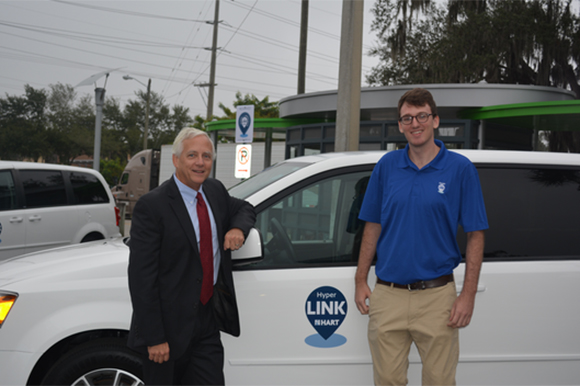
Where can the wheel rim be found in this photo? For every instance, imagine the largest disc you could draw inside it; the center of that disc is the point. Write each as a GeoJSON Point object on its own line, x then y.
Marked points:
{"type": "Point", "coordinates": [108, 377]}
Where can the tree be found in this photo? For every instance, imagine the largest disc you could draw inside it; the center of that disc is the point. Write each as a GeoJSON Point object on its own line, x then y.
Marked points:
{"type": "Point", "coordinates": [111, 169]}
{"type": "Point", "coordinates": [499, 41]}
{"type": "Point", "coordinates": [262, 108]}
{"type": "Point", "coordinates": [413, 63]}
{"type": "Point", "coordinates": [394, 21]}
{"type": "Point", "coordinates": [164, 121]}
{"type": "Point", "coordinates": [58, 125]}
{"type": "Point", "coordinates": [23, 125]}
{"type": "Point", "coordinates": [71, 122]}
{"type": "Point", "coordinates": [534, 42]}
{"type": "Point", "coordinates": [198, 122]}
{"type": "Point", "coordinates": [113, 132]}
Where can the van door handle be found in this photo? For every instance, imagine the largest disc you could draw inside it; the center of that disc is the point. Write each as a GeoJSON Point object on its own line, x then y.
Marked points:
{"type": "Point", "coordinates": [16, 219]}
{"type": "Point", "coordinates": [35, 217]}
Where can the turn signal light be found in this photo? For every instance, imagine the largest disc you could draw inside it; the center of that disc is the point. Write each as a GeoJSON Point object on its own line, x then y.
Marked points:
{"type": "Point", "coordinates": [6, 303]}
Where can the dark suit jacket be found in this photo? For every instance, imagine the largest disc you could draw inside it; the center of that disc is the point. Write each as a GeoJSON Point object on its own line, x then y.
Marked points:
{"type": "Point", "coordinates": [165, 271]}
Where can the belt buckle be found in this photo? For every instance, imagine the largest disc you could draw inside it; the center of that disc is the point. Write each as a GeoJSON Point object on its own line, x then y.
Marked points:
{"type": "Point", "coordinates": [417, 286]}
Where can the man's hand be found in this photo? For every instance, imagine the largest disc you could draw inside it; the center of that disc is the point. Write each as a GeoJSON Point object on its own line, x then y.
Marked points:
{"type": "Point", "coordinates": [462, 311]}
{"type": "Point", "coordinates": [361, 293]}
{"type": "Point", "coordinates": [159, 353]}
{"type": "Point", "coordinates": [368, 248]}
{"type": "Point", "coordinates": [234, 239]}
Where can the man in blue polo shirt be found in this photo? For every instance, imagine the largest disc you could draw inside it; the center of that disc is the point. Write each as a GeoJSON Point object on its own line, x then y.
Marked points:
{"type": "Point", "coordinates": [415, 200]}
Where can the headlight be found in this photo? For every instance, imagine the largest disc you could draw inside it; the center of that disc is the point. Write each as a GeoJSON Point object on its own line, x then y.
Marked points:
{"type": "Point", "coordinates": [6, 303]}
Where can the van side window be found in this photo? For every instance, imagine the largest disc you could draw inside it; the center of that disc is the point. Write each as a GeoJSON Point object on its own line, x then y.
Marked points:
{"type": "Point", "coordinates": [43, 188]}
{"type": "Point", "coordinates": [316, 225]}
{"type": "Point", "coordinates": [7, 191]}
{"type": "Point", "coordinates": [532, 212]}
{"type": "Point", "coordinates": [87, 189]}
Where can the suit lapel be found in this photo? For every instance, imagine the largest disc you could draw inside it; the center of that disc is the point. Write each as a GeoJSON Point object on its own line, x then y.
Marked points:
{"type": "Point", "coordinates": [180, 210]}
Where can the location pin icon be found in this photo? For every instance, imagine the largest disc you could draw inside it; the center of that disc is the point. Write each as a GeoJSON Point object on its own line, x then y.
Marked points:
{"type": "Point", "coordinates": [326, 308]}
{"type": "Point", "coordinates": [244, 123]}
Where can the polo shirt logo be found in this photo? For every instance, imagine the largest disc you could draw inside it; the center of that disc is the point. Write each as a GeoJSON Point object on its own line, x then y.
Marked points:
{"type": "Point", "coordinates": [441, 188]}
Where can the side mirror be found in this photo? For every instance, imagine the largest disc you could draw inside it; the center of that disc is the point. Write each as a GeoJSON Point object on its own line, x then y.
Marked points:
{"type": "Point", "coordinates": [252, 251]}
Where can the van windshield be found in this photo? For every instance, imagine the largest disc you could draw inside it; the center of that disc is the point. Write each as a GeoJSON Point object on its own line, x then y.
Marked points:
{"type": "Point", "coordinates": [258, 181]}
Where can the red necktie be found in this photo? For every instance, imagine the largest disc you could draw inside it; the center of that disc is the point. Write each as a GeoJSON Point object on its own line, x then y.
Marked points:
{"type": "Point", "coordinates": [205, 250]}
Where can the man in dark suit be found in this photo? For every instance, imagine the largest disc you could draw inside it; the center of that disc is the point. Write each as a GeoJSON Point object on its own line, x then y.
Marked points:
{"type": "Point", "coordinates": [180, 269]}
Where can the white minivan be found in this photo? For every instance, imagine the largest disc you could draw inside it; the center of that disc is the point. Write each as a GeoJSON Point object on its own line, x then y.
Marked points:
{"type": "Point", "coordinates": [45, 206]}
{"type": "Point", "coordinates": [65, 313]}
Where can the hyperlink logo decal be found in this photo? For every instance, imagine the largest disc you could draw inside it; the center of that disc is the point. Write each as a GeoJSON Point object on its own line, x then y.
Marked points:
{"type": "Point", "coordinates": [326, 308]}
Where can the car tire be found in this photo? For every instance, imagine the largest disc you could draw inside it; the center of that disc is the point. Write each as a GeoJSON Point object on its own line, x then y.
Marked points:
{"type": "Point", "coordinates": [101, 362]}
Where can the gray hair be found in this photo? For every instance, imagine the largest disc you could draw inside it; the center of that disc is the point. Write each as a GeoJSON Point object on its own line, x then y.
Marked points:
{"type": "Point", "coordinates": [187, 133]}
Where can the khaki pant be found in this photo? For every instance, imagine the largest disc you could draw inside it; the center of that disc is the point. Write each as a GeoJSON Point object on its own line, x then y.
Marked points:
{"type": "Point", "coordinates": [399, 317]}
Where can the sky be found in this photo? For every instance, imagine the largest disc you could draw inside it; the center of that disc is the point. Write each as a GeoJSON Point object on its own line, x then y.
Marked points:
{"type": "Point", "coordinates": [68, 41]}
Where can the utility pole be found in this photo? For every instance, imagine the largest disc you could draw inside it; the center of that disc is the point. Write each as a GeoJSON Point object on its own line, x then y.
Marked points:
{"type": "Point", "coordinates": [212, 80]}
{"type": "Point", "coordinates": [146, 134]}
{"type": "Point", "coordinates": [303, 48]}
{"type": "Point", "coordinates": [349, 77]}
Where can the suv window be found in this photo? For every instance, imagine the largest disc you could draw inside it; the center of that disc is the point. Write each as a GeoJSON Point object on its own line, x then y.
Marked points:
{"type": "Point", "coordinates": [532, 212]}
{"type": "Point", "coordinates": [43, 188]}
{"type": "Point", "coordinates": [314, 225]}
{"type": "Point", "coordinates": [7, 191]}
{"type": "Point", "coordinates": [87, 189]}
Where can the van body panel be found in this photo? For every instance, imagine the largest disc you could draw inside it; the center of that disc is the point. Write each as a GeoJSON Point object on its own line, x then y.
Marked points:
{"type": "Point", "coordinates": [524, 329]}
{"type": "Point", "coordinates": [52, 206]}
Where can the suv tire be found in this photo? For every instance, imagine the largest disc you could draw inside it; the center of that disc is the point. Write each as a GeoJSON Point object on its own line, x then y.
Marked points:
{"type": "Point", "coordinates": [104, 362]}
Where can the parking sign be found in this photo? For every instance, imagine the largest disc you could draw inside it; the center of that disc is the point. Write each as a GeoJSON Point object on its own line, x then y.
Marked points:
{"type": "Point", "coordinates": [243, 161]}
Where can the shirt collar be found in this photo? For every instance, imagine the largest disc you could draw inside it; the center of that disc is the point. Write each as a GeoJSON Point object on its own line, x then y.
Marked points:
{"type": "Point", "coordinates": [436, 163]}
{"type": "Point", "coordinates": [188, 194]}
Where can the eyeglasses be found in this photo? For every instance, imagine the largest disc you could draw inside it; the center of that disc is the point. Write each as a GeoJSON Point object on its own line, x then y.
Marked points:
{"type": "Point", "coordinates": [421, 118]}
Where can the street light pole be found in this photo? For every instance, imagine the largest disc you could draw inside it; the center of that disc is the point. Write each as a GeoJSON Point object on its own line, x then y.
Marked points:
{"type": "Point", "coordinates": [146, 128]}
{"type": "Point", "coordinates": [99, 102]}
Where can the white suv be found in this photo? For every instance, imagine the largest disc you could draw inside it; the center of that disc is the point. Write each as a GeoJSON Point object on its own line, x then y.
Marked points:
{"type": "Point", "coordinates": [65, 314]}
{"type": "Point", "coordinates": [44, 206]}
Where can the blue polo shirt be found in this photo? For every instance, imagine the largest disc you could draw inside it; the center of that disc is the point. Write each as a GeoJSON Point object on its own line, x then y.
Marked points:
{"type": "Point", "coordinates": [419, 211]}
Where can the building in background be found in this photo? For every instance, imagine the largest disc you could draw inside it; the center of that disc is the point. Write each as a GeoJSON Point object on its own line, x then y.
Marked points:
{"type": "Point", "coordinates": [473, 116]}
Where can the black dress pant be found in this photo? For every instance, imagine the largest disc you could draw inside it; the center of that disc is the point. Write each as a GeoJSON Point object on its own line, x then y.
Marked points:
{"type": "Point", "coordinates": [201, 364]}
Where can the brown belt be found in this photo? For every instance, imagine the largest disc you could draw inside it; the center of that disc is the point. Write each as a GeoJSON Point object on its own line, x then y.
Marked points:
{"type": "Point", "coordinates": [420, 285]}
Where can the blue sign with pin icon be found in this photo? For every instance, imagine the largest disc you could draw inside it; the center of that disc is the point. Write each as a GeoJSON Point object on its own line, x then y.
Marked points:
{"type": "Point", "coordinates": [326, 307]}
{"type": "Point", "coordinates": [244, 121]}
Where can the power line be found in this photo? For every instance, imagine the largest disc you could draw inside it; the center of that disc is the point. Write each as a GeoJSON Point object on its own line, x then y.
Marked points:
{"type": "Point", "coordinates": [182, 56]}
{"type": "Point", "coordinates": [85, 23]}
{"type": "Point", "coordinates": [130, 13]}
{"type": "Point", "coordinates": [81, 36]}
{"type": "Point", "coordinates": [188, 66]}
